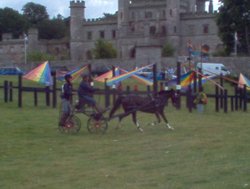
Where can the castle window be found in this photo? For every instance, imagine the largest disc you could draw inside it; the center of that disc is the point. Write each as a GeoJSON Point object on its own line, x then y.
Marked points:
{"type": "Point", "coordinates": [175, 29]}
{"type": "Point", "coordinates": [152, 30]}
{"type": "Point", "coordinates": [102, 34]}
{"type": "Point", "coordinates": [132, 15]}
{"type": "Point", "coordinates": [89, 35]}
{"type": "Point", "coordinates": [113, 34]}
{"type": "Point", "coordinates": [163, 30]}
{"type": "Point", "coordinates": [205, 29]}
{"type": "Point", "coordinates": [171, 12]}
{"type": "Point", "coordinates": [148, 14]}
{"type": "Point", "coordinates": [132, 26]}
{"type": "Point", "coordinates": [132, 52]}
{"type": "Point", "coordinates": [163, 14]}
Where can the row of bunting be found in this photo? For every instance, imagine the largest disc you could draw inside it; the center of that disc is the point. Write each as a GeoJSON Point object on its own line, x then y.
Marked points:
{"type": "Point", "coordinates": [42, 74]}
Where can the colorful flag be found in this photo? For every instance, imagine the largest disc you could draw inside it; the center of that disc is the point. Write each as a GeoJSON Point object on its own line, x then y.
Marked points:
{"type": "Point", "coordinates": [123, 76]}
{"type": "Point", "coordinates": [188, 79]}
{"type": "Point", "coordinates": [243, 81]}
{"type": "Point", "coordinates": [76, 73]}
{"type": "Point", "coordinates": [41, 74]}
{"type": "Point", "coordinates": [140, 78]}
{"type": "Point", "coordinates": [107, 75]}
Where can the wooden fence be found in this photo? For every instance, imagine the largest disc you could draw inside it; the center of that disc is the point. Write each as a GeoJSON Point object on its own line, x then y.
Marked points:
{"type": "Point", "coordinates": [238, 101]}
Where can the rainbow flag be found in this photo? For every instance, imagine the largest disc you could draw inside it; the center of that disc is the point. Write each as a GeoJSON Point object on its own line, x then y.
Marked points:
{"type": "Point", "coordinates": [139, 78]}
{"type": "Point", "coordinates": [41, 74]}
{"type": "Point", "coordinates": [244, 81]}
{"type": "Point", "coordinates": [76, 73]}
{"type": "Point", "coordinates": [188, 79]}
{"type": "Point", "coordinates": [123, 76]}
{"type": "Point", "coordinates": [107, 75]}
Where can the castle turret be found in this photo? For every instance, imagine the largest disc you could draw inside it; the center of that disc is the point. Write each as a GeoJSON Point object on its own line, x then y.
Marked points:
{"type": "Point", "coordinates": [77, 9]}
{"type": "Point", "coordinates": [201, 5]}
{"type": "Point", "coordinates": [173, 22]}
{"type": "Point", "coordinates": [192, 5]}
{"type": "Point", "coordinates": [76, 17]}
{"type": "Point", "coordinates": [123, 14]}
{"type": "Point", "coordinates": [211, 6]}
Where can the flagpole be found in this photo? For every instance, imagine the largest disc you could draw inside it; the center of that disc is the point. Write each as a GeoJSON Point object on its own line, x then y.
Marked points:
{"type": "Point", "coordinates": [25, 48]}
{"type": "Point", "coordinates": [235, 43]}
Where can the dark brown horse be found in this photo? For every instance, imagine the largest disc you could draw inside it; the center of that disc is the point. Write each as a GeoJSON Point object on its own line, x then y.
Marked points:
{"type": "Point", "coordinates": [133, 103]}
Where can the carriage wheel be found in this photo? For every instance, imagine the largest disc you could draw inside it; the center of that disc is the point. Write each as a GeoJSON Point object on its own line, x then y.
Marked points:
{"type": "Point", "coordinates": [72, 125]}
{"type": "Point", "coordinates": [97, 125]}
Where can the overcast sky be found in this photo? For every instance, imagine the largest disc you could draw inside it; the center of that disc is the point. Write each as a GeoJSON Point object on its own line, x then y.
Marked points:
{"type": "Point", "coordinates": [94, 8]}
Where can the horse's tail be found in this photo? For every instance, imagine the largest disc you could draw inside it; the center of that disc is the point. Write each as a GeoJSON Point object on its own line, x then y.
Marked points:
{"type": "Point", "coordinates": [117, 104]}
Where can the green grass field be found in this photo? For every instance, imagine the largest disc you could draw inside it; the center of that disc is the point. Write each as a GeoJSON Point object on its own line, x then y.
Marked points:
{"type": "Point", "coordinates": [205, 151]}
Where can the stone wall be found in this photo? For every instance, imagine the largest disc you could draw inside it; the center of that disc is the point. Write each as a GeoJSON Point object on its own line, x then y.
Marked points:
{"type": "Point", "coordinates": [234, 64]}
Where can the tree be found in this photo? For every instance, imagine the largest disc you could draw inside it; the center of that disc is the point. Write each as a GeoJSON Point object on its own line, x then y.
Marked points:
{"type": "Point", "coordinates": [234, 18]}
{"type": "Point", "coordinates": [168, 50]}
{"type": "Point", "coordinates": [12, 22]}
{"type": "Point", "coordinates": [104, 49]}
{"type": "Point", "coordinates": [35, 13]}
{"type": "Point", "coordinates": [52, 29]}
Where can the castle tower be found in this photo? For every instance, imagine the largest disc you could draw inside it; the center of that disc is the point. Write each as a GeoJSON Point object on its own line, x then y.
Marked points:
{"type": "Point", "coordinates": [211, 6]}
{"type": "Point", "coordinates": [201, 5]}
{"type": "Point", "coordinates": [192, 5]}
{"type": "Point", "coordinates": [77, 9]}
{"type": "Point", "coordinates": [173, 22]}
{"type": "Point", "coordinates": [123, 16]}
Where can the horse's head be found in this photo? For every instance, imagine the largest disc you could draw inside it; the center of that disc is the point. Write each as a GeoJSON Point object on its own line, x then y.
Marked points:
{"type": "Point", "coordinates": [169, 94]}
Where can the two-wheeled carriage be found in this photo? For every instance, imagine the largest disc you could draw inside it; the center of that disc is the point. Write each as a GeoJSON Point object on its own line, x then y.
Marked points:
{"type": "Point", "coordinates": [96, 122]}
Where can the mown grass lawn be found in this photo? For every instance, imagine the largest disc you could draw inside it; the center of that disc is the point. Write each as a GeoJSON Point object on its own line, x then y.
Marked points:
{"type": "Point", "coordinates": [205, 151]}
{"type": "Point", "coordinates": [209, 150]}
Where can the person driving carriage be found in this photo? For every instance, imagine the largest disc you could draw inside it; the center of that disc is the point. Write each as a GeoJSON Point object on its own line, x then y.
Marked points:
{"type": "Point", "coordinates": [66, 95]}
{"type": "Point", "coordinates": [85, 94]}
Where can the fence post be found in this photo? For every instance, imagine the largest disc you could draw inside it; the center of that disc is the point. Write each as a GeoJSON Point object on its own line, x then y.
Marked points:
{"type": "Point", "coordinates": [107, 94]}
{"type": "Point", "coordinates": [6, 91]}
{"type": "Point", "coordinates": [225, 101]}
{"type": "Point", "coordinates": [189, 98]}
{"type": "Point", "coordinates": [35, 97]}
{"type": "Point", "coordinates": [47, 95]}
{"type": "Point", "coordinates": [20, 86]}
{"type": "Point", "coordinates": [155, 84]}
{"type": "Point", "coordinates": [200, 80]}
{"type": "Point", "coordinates": [236, 99]}
{"type": "Point", "coordinates": [195, 82]}
{"type": "Point", "coordinates": [245, 98]}
{"type": "Point", "coordinates": [232, 103]}
{"type": "Point", "coordinates": [178, 87]}
{"type": "Point", "coordinates": [217, 98]}
{"type": "Point", "coordinates": [54, 93]}
{"type": "Point", "coordinates": [241, 98]}
{"type": "Point", "coordinates": [10, 91]}
{"type": "Point", "coordinates": [221, 91]}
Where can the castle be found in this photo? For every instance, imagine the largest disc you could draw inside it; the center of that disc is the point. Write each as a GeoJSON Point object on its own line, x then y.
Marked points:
{"type": "Point", "coordinates": [138, 31]}
{"type": "Point", "coordinates": [140, 28]}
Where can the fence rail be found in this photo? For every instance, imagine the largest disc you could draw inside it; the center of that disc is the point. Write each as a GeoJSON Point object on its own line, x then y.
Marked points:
{"type": "Point", "coordinates": [236, 102]}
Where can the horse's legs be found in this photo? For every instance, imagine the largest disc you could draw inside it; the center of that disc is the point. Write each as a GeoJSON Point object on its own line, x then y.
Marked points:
{"type": "Point", "coordinates": [125, 114]}
{"type": "Point", "coordinates": [135, 122]}
{"type": "Point", "coordinates": [165, 119]}
{"type": "Point", "coordinates": [157, 121]}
